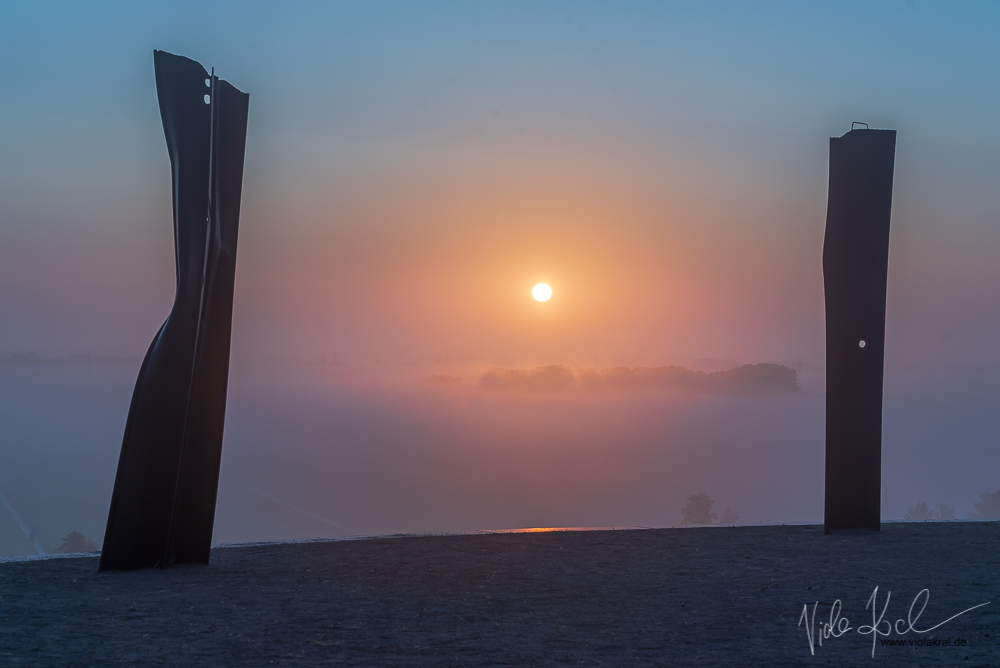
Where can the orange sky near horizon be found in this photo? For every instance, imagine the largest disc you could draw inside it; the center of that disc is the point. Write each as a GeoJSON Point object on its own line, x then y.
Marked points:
{"type": "Point", "coordinates": [645, 268]}
{"type": "Point", "coordinates": [663, 167]}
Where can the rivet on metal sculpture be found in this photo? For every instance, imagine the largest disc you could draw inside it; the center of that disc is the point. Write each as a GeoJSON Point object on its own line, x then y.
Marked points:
{"type": "Point", "coordinates": [855, 265]}
{"type": "Point", "coordinates": [163, 506]}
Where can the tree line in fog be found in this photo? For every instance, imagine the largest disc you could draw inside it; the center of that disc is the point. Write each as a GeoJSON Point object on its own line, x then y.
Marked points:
{"type": "Point", "coordinates": [745, 379]}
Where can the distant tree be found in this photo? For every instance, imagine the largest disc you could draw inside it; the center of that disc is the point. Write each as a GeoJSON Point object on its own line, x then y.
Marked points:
{"type": "Point", "coordinates": [729, 516]}
{"type": "Point", "coordinates": [919, 512]}
{"type": "Point", "coordinates": [946, 512]}
{"type": "Point", "coordinates": [698, 510]}
{"type": "Point", "coordinates": [76, 542]}
{"type": "Point", "coordinates": [988, 507]}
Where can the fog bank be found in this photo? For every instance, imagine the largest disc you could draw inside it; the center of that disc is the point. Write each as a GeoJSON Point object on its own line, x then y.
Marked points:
{"type": "Point", "coordinates": [335, 450]}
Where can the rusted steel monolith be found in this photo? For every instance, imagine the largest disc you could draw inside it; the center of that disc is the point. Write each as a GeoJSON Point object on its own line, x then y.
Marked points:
{"type": "Point", "coordinates": [855, 265]}
{"type": "Point", "coordinates": [163, 505]}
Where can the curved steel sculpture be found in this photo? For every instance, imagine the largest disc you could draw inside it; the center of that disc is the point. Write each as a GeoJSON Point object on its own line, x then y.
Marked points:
{"type": "Point", "coordinates": [855, 266]}
{"type": "Point", "coordinates": [163, 506]}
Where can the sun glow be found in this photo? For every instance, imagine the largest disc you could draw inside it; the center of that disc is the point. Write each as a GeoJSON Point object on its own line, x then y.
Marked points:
{"type": "Point", "coordinates": [541, 292]}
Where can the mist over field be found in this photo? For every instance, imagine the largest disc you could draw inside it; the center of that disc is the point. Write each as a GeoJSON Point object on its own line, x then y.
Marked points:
{"type": "Point", "coordinates": [332, 449]}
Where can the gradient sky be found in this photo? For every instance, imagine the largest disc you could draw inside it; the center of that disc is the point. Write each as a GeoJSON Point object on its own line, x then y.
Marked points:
{"type": "Point", "coordinates": [414, 168]}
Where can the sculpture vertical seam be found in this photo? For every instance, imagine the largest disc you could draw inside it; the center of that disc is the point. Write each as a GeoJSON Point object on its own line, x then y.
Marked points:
{"type": "Point", "coordinates": [201, 308]}
{"type": "Point", "coordinates": [855, 271]}
{"type": "Point", "coordinates": [163, 505]}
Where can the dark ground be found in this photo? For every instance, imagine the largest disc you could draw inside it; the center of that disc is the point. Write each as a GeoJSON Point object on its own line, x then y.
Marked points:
{"type": "Point", "coordinates": [671, 597]}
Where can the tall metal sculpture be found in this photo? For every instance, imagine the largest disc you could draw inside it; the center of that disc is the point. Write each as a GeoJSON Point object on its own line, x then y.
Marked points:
{"type": "Point", "coordinates": [855, 265]}
{"type": "Point", "coordinates": [163, 506]}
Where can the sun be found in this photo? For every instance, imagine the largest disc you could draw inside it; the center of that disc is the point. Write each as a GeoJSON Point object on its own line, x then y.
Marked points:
{"type": "Point", "coordinates": [541, 292]}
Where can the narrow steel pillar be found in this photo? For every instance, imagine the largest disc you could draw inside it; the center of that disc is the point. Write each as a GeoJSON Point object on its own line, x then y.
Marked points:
{"type": "Point", "coordinates": [163, 506]}
{"type": "Point", "coordinates": [855, 265]}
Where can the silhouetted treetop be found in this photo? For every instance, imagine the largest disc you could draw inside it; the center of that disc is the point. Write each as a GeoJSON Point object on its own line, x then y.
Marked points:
{"type": "Point", "coordinates": [918, 512]}
{"type": "Point", "coordinates": [698, 510]}
{"type": "Point", "coordinates": [76, 542]}
{"type": "Point", "coordinates": [988, 507]}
